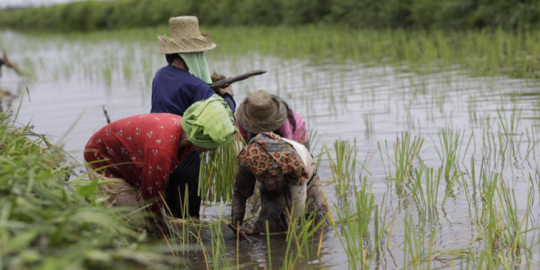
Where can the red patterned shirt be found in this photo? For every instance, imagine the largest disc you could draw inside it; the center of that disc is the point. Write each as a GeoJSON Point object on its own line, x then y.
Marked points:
{"type": "Point", "coordinates": [141, 149]}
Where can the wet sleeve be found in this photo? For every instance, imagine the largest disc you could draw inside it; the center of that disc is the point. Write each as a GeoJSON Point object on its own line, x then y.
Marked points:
{"type": "Point", "coordinates": [244, 187]}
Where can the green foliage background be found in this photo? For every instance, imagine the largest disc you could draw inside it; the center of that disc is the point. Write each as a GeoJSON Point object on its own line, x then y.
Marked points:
{"type": "Point", "coordinates": [418, 14]}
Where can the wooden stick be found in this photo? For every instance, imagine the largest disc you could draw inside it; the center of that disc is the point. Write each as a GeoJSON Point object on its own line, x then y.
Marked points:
{"type": "Point", "coordinates": [226, 82]}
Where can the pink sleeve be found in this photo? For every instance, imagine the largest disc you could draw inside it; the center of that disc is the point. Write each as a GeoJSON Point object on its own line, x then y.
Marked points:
{"type": "Point", "coordinates": [243, 132]}
{"type": "Point", "coordinates": [300, 133]}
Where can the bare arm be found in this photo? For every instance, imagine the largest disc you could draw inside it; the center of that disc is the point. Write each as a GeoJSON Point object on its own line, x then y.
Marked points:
{"type": "Point", "coordinates": [242, 190]}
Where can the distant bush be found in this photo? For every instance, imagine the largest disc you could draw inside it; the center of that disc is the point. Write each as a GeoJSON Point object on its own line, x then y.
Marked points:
{"type": "Point", "coordinates": [418, 14]}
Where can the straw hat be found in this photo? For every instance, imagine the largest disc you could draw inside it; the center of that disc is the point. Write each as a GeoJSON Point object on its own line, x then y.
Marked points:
{"type": "Point", "coordinates": [261, 112]}
{"type": "Point", "coordinates": [185, 37]}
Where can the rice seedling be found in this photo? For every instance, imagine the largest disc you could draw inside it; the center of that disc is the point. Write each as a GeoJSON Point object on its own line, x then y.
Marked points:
{"type": "Point", "coordinates": [268, 245]}
{"type": "Point", "coordinates": [343, 166]}
{"type": "Point", "coordinates": [219, 256]}
{"type": "Point", "coordinates": [406, 151]}
{"type": "Point", "coordinates": [417, 191]}
{"type": "Point", "coordinates": [361, 249]}
{"type": "Point", "coordinates": [304, 240]}
{"type": "Point", "coordinates": [433, 180]}
{"type": "Point", "coordinates": [182, 233]}
{"type": "Point", "coordinates": [450, 150]}
{"type": "Point", "coordinates": [509, 128]}
{"type": "Point", "coordinates": [218, 172]}
{"type": "Point", "coordinates": [415, 255]}
{"type": "Point", "coordinates": [313, 139]}
{"type": "Point", "coordinates": [368, 123]}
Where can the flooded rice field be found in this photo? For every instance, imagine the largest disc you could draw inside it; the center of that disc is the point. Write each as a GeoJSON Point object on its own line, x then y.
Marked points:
{"type": "Point", "coordinates": [422, 170]}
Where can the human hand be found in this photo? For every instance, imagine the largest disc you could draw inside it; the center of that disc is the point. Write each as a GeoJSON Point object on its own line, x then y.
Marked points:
{"type": "Point", "coordinates": [226, 90]}
{"type": "Point", "coordinates": [243, 232]}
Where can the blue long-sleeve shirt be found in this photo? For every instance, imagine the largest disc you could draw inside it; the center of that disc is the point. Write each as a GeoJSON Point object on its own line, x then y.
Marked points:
{"type": "Point", "coordinates": [175, 89]}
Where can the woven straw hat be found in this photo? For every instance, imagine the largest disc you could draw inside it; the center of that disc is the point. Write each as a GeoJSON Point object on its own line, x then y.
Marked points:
{"type": "Point", "coordinates": [185, 37]}
{"type": "Point", "coordinates": [261, 112]}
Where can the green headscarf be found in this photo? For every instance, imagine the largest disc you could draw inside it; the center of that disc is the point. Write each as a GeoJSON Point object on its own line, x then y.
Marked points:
{"type": "Point", "coordinates": [209, 123]}
{"type": "Point", "coordinates": [196, 63]}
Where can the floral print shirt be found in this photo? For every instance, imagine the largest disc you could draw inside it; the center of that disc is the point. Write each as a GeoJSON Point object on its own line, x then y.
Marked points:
{"type": "Point", "coordinates": [141, 149]}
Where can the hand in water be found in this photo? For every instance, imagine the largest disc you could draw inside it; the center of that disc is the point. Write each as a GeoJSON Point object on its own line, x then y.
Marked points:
{"type": "Point", "coordinates": [244, 233]}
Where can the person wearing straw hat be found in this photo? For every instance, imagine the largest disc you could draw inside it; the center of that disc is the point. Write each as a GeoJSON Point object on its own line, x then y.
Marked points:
{"type": "Point", "coordinates": [175, 87]}
{"type": "Point", "coordinates": [264, 112]}
{"type": "Point", "coordinates": [141, 152]}
{"type": "Point", "coordinates": [185, 79]}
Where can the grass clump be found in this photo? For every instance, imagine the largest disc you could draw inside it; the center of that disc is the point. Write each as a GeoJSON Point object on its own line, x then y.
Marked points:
{"type": "Point", "coordinates": [362, 247]}
{"type": "Point", "coordinates": [343, 165]}
{"type": "Point", "coordinates": [47, 222]}
{"type": "Point", "coordinates": [405, 152]}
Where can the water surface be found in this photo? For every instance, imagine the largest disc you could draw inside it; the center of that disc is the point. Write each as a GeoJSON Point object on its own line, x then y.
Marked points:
{"type": "Point", "coordinates": [76, 78]}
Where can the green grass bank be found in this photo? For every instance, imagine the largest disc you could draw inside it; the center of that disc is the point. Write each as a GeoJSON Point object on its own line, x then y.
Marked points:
{"type": "Point", "coordinates": [47, 222]}
{"type": "Point", "coordinates": [417, 14]}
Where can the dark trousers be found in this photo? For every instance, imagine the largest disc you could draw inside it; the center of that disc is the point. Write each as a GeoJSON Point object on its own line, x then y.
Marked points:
{"type": "Point", "coordinates": [186, 176]}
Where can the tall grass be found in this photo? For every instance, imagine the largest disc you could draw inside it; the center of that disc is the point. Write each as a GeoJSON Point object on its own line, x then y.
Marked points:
{"type": "Point", "coordinates": [50, 223]}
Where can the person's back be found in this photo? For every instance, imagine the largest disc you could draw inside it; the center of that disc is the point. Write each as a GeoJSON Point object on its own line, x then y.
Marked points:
{"type": "Point", "coordinates": [175, 89]}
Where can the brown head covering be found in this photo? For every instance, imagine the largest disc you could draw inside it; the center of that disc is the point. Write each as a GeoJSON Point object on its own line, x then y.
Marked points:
{"type": "Point", "coordinates": [267, 153]}
{"type": "Point", "coordinates": [261, 112]}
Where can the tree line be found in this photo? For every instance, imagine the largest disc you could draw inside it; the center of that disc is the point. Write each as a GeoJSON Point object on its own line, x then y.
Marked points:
{"type": "Point", "coordinates": [417, 14]}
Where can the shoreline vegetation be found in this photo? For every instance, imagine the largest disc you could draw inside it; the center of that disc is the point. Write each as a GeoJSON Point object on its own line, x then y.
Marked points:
{"type": "Point", "coordinates": [48, 222]}
{"type": "Point", "coordinates": [412, 14]}
{"type": "Point", "coordinates": [486, 52]}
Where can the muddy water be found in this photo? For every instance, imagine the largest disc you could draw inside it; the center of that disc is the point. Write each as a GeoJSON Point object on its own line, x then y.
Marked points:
{"type": "Point", "coordinates": [75, 79]}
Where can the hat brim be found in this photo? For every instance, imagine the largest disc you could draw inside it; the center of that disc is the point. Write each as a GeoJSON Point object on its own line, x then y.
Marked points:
{"type": "Point", "coordinates": [169, 45]}
{"type": "Point", "coordinates": [255, 128]}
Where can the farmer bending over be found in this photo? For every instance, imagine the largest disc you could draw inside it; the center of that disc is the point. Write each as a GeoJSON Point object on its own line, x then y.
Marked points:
{"type": "Point", "coordinates": [142, 151]}
{"type": "Point", "coordinates": [288, 181]}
